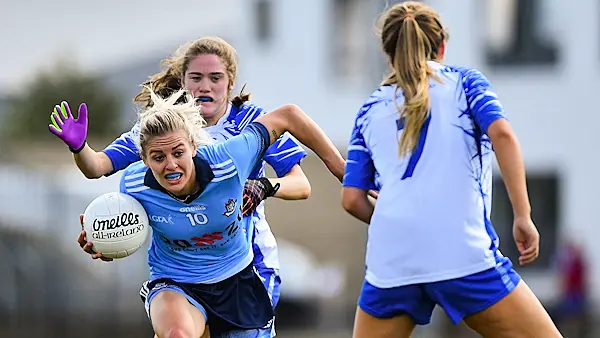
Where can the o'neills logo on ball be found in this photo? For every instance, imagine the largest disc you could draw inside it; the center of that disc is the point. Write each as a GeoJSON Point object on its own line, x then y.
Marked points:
{"type": "Point", "coordinates": [124, 220]}
{"type": "Point", "coordinates": [126, 224]}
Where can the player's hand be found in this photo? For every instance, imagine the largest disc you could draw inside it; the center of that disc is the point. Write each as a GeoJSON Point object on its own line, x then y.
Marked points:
{"type": "Point", "coordinates": [527, 239]}
{"type": "Point", "coordinates": [73, 132]}
{"type": "Point", "coordinates": [87, 246]}
{"type": "Point", "coordinates": [256, 191]}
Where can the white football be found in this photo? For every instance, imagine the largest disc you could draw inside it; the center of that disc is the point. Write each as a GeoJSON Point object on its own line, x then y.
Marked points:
{"type": "Point", "coordinates": [116, 224]}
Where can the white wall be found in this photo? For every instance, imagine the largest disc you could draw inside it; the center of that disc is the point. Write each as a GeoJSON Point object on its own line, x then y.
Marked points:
{"type": "Point", "coordinates": [99, 34]}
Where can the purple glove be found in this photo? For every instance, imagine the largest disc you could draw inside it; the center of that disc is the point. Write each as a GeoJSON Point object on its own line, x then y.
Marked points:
{"type": "Point", "coordinates": [71, 131]}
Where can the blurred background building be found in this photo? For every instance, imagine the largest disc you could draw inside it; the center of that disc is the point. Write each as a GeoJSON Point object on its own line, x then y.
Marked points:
{"type": "Point", "coordinates": [542, 56]}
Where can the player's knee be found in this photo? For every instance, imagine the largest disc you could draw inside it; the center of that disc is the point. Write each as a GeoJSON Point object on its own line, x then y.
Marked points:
{"type": "Point", "coordinates": [177, 329]}
{"type": "Point", "coordinates": [177, 332]}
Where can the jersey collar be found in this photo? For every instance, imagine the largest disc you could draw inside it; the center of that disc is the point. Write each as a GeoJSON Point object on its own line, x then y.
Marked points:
{"type": "Point", "coordinates": [204, 175]}
{"type": "Point", "coordinates": [225, 116]}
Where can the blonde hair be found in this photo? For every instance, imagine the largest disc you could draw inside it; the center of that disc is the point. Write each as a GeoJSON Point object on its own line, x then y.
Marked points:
{"type": "Point", "coordinates": [411, 35]}
{"type": "Point", "coordinates": [170, 78]}
{"type": "Point", "coordinates": [166, 115]}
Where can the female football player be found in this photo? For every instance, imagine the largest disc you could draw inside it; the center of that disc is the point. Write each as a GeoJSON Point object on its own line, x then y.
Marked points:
{"type": "Point", "coordinates": [430, 237]}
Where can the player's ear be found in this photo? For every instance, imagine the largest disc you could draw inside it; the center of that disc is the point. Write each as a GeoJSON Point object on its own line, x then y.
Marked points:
{"type": "Point", "coordinates": [441, 51]}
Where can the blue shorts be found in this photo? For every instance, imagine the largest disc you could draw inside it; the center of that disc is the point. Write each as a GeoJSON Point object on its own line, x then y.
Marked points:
{"type": "Point", "coordinates": [235, 307]}
{"type": "Point", "coordinates": [459, 297]}
{"type": "Point", "coordinates": [271, 281]}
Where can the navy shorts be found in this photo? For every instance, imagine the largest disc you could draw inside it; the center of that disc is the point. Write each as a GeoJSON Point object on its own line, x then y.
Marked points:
{"type": "Point", "coordinates": [458, 297]}
{"type": "Point", "coordinates": [237, 305]}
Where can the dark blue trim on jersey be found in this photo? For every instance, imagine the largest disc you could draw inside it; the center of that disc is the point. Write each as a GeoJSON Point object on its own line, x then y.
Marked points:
{"type": "Point", "coordinates": [262, 132]}
{"type": "Point", "coordinates": [204, 175]}
{"type": "Point", "coordinates": [418, 151]}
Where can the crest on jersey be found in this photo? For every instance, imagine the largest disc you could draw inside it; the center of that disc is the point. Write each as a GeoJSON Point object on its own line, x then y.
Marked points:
{"type": "Point", "coordinates": [230, 207]}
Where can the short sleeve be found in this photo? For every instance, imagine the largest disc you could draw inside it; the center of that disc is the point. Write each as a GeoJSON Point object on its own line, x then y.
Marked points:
{"type": "Point", "coordinates": [284, 154]}
{"type": "Point", "coordinates": [248, 148]}
{"type": "Point", "coordinates": [482, 100]}
{"type": "Point", "coordinates": [122, 151]}
{"type": "Point", "coordinates": [360, 170]}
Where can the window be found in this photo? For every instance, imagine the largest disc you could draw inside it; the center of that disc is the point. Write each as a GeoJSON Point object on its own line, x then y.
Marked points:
{"type": "Point", "coordinates": [515, 34]}
{"type": "Point", "coordinates": [263, 12]}
{"type": "Point", "coordinates": [352, 39]}
{"type": "Point", "coordinates": [545, 205]}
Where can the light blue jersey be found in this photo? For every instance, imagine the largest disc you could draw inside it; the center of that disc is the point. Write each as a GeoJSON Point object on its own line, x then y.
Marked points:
{"type": "Point", "coordinates": [282, 155]}
{"type": "Point", "coordinates": [432, 218]}
{"type": "Point", "coordinates": [202, 240]}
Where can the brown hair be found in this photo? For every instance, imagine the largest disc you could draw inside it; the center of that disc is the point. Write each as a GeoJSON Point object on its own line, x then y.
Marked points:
{"type": "Point", "coordinates": [170, 79]}
{"type": "Point", "coordinates": [411, 35]}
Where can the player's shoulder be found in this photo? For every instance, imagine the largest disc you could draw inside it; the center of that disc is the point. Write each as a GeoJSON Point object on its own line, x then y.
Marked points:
{"type": "Point", "coordinates": [247, 112]}
{"type": "Point", "coordinates": [215, 155]}
{"type": "Point", "coordinates": [133, 177]}
{"type": "Point", "coordinates": [471, 77]}
{"type": "Point", "coordinates": [382, 96]}
{"type": "Point", "coordinates": [216, 158]}
{"type": "Point", "coordinates": [135, 168]}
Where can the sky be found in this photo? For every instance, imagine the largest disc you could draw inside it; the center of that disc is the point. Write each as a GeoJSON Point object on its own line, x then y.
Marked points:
{"type": "Point", "coordinates": [96, 35]}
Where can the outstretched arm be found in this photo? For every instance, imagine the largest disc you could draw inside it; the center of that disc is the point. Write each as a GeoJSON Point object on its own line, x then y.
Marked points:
{"type": "Point", "coordinates": [91, 163]}
{"type": "Point", "coordinates": [73, 132]}
{"type": "Point", "coordinates": [294, 120]}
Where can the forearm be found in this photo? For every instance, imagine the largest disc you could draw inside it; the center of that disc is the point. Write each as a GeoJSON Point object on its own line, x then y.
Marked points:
{"type": "Point", "coordinates": [357, 205]}
{"type": "Point", "coordinates": [510, 161]}
{"type": "Point", "coordinates": [91, 163]}
{"type": "Point", "coordinates": [292, 188]}
{"type": "Point", "coordinates": [363, 212]}
{"type": "Point", "coordinates": [292, 119]}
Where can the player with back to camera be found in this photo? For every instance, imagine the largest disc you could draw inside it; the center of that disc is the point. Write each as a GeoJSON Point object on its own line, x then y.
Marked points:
{"type": "Point", "coordinates": [206, 68]}
{"type": "Point", "coordinates": [430, 237]}
{"type": "Point", "coordinates": [182, 169]}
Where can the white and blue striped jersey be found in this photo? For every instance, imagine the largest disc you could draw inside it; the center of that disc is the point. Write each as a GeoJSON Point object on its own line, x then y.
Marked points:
{"type": "Point", "coordinates": [281, 156]}
{"type": "Point", "coordinates": [432, 218]}
{"type": "Point", "coordinates": [201, 240]}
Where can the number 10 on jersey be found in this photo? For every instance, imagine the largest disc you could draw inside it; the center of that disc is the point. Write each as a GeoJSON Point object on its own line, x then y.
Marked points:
{"type": "Point", "coordinates": [197, 219]}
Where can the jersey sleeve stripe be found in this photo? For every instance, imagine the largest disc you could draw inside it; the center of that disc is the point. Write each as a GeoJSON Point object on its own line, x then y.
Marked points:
{"type": "Point", "coordinates": [133, 183]}
{"type": "Point", "coordinates": [290, 152]}
{"type": "Point", "coordinates": [357, 148]}
{"type": "Point", "coordinates": [137, 189]}
{"type": "Point", "coordinates": [222, 178]}
{"type": "Point", "coordinates": [221, 172]}
{"type": "Point", "coordinates": [251, 115]}
{"type": "Point", "coordinates": [123, 150]}
{"type": "Point", "coordinates": [134, 176]}
{"type": "Point", "coordinates": [286, 152]}
{"type": "Point", "coordinates": [222, 164]}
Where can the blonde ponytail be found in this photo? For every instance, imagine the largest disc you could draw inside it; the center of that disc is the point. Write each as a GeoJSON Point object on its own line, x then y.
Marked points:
{"type": "Point", "coordinates": [411, 36]}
